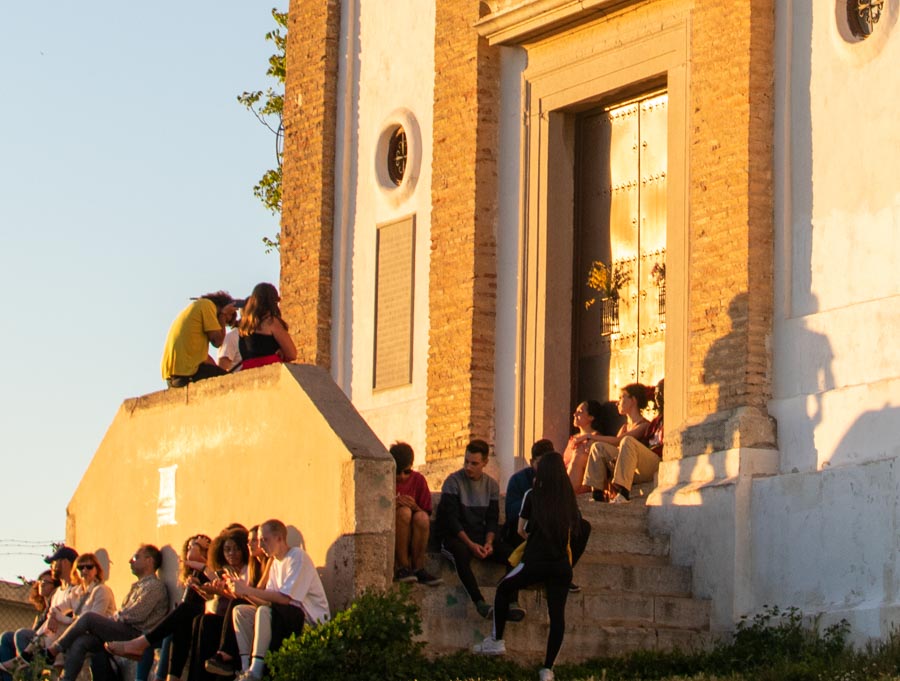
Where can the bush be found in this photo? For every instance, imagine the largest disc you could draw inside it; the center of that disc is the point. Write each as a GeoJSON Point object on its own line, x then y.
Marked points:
{"type": "Point", "coordinates": [372, 640]}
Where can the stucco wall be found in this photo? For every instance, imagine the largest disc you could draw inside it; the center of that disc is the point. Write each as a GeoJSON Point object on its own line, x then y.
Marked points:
{"type": "Point", "coordinates": [281, 441]}
{"type": "Point", "coordinates": [386, 77]}
{"type": "Point", "coordinates": [831, 515]}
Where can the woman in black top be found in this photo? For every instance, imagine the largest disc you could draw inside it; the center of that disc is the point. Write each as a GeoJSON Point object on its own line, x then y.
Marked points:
{"type": "Point", "coordinates": [549, 519]}
{"type": "Point", "coordinates": [264, 335]}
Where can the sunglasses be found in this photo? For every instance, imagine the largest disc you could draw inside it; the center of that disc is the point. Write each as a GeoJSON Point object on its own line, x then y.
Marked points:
{"type": "Point", "coordinates": [82, 568]}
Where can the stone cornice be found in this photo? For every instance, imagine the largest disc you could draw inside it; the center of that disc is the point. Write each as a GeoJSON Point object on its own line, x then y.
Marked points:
{"type": "Point", "coordinates": [518, 22]}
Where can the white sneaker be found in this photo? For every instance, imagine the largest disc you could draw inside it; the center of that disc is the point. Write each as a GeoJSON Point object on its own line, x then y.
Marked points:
{"type": "Point", "coordinates": [490, 646]}
{"type": "Point", "coordinates": [619, 499]}
{"type": "Point", "coordinates": [545, 674]}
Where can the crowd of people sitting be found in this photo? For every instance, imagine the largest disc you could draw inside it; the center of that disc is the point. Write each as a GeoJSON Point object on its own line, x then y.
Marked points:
{"type": "Point", "coordinates": [243, 593]}
{"type": "Point", "coordinates": [258, 337]}
{"type": "Point", "coordinates": [614, 447]}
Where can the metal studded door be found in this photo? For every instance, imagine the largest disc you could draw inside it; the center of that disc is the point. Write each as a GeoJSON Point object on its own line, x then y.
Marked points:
{"type": "Point", "coordinates": [620, 248]}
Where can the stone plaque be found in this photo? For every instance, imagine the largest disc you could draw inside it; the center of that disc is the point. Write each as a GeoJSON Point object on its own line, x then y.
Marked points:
{"type": "Point", "coordinates": [394, 292]}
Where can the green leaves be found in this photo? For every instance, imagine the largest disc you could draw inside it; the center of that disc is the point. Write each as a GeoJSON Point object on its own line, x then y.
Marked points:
{"type": "Point", "coordinates": [267, 106]}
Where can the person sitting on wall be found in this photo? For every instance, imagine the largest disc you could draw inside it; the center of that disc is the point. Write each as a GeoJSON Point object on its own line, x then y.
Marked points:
{"type": "Point", "coordinates": [143, 608]}
{"type": "Point", "coordinates": [230, 553]}
{"type": "Point", "coordinates": [293, 597]}
{"type": "Point", "coordinates": [13, 643]}
{"type": "Point", "coordinates": [229, 354]}
{"type": "Point", "coordinates": [413, 510]}
{"type": "Point", "coordinates": [628, 456]}
{"type": "Point", "coordinates": [62, 564]}
{"type": "Point", "coordinates": [264, 335]}
{"type": "Point", "coordinates": [186, 355]}
{"type": "Point", "coordinates": [467, 519]}
{"type": "Point", "coordinates": [178, 624]}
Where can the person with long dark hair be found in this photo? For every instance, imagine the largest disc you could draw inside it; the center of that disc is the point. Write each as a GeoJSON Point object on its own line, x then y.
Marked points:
{"type": "Point", "coordinates": [264, 337]}
{"type": "Point", "coordinates": [549, 520]}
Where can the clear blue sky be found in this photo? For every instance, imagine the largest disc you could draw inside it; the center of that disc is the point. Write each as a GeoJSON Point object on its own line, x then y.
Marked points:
{"type": "Point", "coordinates": [126, 168]}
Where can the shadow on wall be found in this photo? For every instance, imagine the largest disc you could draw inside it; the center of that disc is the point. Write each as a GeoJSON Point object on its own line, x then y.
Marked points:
{"type": "Point", "coordinates": [732, 425]}
{"type": "Point", "coordinates": [874, 436]}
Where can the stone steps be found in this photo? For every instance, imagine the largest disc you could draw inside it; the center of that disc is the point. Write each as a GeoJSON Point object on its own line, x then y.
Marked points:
{"type": "Point", "coordinates": [631, 597]}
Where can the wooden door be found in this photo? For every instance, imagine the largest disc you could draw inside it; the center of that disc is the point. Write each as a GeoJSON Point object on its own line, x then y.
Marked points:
{"type": "Point", "coordinates": [619, 331]}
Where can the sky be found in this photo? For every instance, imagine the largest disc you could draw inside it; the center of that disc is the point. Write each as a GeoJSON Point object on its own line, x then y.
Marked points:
{"type": "Point", "coordinates": [126, 175]}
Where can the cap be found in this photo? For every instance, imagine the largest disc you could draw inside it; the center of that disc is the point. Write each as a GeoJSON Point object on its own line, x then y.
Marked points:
{"type": "Point", "coordinates": [62, 553]}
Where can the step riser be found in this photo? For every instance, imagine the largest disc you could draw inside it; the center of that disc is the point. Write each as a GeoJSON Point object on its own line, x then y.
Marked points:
{"type": "Point", "coordinates": [632, 598]}
{"type": "Point", "coordinates": [598, 609]}
{"type": "Point", "coordinates": [527, 644]}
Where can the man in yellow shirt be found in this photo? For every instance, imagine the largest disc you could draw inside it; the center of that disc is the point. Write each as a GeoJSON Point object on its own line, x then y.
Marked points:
{"type": "Point", "coordinates": [186, 355]}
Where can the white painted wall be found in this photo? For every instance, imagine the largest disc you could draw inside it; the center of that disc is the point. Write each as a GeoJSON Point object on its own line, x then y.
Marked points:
{"type": "Point", "coordinates": [387, 70]}
{"type": "Point", "coordinates": [824, 531]}
{"type": "Point", "coordinates": [815, 525]}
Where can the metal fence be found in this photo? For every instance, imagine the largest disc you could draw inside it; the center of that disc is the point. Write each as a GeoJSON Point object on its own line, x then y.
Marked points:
{"type": "Point", "coordinates": [16, 615]}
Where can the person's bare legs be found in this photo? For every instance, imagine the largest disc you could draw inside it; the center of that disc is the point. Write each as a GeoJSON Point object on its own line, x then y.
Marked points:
{"type": "Point", "coordinates": [403, 531]}
{"type": "Point", "coordinates": [421, 526]}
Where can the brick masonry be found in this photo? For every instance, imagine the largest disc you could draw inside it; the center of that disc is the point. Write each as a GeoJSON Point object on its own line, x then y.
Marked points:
{"type": "Point", "coordinates": [463, 274]}
{"type": "Point", "coordinates": [731, 220]}
{"type": "Point", "coordinates": [731, 211]}
{"type": "Point", "coordinates": [307, 216]}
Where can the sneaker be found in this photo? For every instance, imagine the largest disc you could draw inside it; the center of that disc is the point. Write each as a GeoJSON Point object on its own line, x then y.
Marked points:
{"type": "Point", "coordinates": [484, 609]}
{"type": "Point", "coordinates": [574, 588]}
{"type": "Point", "coordinates": [545, 674]}
{"type": "Point", "coordinates": [247, 676]}
{"type": "Point", "coordinates": [405, 575]}
{"type": "Point", "coordinates": [426, 577]}
{"type": "Point", "coordinates": [619, 499]}
{"type": "Point", "coordinates": [490, 646]}
{"type": "Point", "coordinates": [516, 612]}
{"type": "Point", "coordinates": [598, 495]}
{"type": "Point", "coordinates": [220, 667]}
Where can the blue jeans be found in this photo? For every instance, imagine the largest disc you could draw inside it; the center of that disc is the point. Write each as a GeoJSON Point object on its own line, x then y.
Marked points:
{"type": "Point", "coordinates": [7, 652]}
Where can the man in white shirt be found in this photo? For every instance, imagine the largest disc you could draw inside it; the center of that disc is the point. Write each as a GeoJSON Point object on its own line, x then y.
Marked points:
{"type": "Point", "coordinates": [292, 598]}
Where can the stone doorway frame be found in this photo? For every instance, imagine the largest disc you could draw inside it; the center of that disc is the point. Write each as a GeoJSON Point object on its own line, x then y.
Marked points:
{"type": "Point", "coordinates": [566, 74]}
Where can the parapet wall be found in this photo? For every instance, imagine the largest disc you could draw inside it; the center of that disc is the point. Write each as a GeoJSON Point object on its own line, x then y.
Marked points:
{"type": "Point", "coordinates": [276, 442]}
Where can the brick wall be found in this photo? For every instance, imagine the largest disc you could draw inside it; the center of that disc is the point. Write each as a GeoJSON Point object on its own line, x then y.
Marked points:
{"type": "Point", "coordinates": [463, 264]}
{"type": "Point", "coordinates": [731, 205]}
{"type": "Point", "coordinates": [307, 217]}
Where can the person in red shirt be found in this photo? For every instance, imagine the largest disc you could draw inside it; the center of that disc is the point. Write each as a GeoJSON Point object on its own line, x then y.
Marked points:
{"type": "Point", "coordinates": [413, 519]}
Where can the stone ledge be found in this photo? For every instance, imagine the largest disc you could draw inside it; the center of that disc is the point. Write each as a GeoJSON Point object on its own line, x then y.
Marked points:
{"type": "Point", "coordinates": [511, 24]}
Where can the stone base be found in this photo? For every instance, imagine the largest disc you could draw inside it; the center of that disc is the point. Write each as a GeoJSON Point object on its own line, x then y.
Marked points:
{"type": "Point", "coordinates": [703, 504]}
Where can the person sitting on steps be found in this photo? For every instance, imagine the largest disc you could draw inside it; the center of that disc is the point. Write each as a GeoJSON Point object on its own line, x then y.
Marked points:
{"type": "Point", "coordinates": [413, 511]}
{"type": "Point", "coordinates": [628, 457]}
{"type": "Point", "coordinates": [467, 522]}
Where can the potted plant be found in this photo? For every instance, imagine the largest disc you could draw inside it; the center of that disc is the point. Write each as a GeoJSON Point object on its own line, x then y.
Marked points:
{"type": "Point", "coordinates": [607, 281]}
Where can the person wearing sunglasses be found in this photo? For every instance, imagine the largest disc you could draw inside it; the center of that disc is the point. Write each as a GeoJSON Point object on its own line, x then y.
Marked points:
{"type": "Point", "coordinates": [413, 519]}
{"type": "Point", "coordinates": [90, 594]}
{"type": "Point", "coordinates": [13, 643]}
{"type": "Point", "coordinates": [143, 608]}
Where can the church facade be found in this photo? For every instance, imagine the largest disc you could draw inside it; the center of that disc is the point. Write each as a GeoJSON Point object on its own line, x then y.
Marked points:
{"type": "Point", "coordinates": [495, 210]}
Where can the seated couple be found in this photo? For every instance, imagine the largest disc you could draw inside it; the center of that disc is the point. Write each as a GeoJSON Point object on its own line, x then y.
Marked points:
{"type": "Point", "coordinates": [609, 465]}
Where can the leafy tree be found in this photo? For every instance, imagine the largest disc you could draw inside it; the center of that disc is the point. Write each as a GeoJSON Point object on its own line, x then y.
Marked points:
{"type": "Point", "coordinates": [268, 107]}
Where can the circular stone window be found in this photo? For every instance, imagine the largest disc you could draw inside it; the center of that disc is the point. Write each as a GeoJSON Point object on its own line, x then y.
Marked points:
{"type": "Point", "coordinates": [396, 155]}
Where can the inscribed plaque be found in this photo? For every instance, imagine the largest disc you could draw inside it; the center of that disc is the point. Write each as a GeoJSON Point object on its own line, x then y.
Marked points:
{"type": "Point", "coordinates": [394, 289]}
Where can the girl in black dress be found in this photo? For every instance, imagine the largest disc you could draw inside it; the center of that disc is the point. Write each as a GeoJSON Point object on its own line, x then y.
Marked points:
{"type": "Point", "coordinates": [549, 520]}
